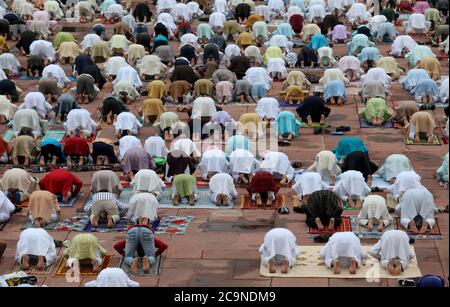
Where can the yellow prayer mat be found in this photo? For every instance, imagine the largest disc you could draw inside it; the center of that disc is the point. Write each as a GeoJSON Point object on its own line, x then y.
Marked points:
{"type": "Point", "coordinates": [310, 265]}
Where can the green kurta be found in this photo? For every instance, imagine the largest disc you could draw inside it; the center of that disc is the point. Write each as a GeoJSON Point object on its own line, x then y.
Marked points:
{"type": "Point", "coordinates": [376, 107]}
{"type": "Point", "coordinates": [184, 184]}
{"type": "Point", "coordinates": [62, 37]}
{"type": "Point", "coordinates": [84, 246]}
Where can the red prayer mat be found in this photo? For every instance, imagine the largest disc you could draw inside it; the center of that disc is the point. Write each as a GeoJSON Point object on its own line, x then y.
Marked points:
{"type": "Point", "coordinates": [346, 225]}
{"type": "Point", "coordinates": [247, 203]}
{"type": "Point", "coordinates": [85, 270]}
{"type": "Point", "coordinates": [436, 231]}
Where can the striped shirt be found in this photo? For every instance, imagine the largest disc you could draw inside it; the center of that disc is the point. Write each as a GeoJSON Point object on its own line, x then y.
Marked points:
{"type": "Point", "coordinates": [106, 196]}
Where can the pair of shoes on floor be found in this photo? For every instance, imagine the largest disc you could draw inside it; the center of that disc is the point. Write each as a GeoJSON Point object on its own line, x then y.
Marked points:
{"type": "Point", "coordinates": [428, 106]}
{"type": "Point", "coordinates": [343, 129]}
{"type": "Point", "coordinates": [321, 239]}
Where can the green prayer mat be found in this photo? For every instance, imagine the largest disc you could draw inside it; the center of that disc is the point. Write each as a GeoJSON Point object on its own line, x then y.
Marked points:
{"type": "Point", "coordinates": [8, 135]}
{"type": "Point", "coordinates": [315, 125]}
{"type": "Point", "coordinates": [436, 141]}
{"type": "Point", "coordinates": [54, 134]}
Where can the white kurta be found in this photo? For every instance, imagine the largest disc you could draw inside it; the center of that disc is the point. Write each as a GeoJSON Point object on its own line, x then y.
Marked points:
{"type": "Point", "coordinates": [256, 75]}
{"type": "Point", "coordinates": [393, 166]}
{"type": "Point", "coordinates": [88, 40]}
{"type": "Point", "coordinates": [130, 74]}
{"type": "Point", "coordinates": [37, 242]}
{"type": "Point", "coordinates": [316, 11]}
{"type": "Point", "coordinates": [147, 180]}
{"type": "Point", "coordinates": [151, 65]}
{"type": "Point", "coordinates": [279, 242]}
{"type": "Point", "coordinates": [276, 6]}
{"type": "Point", "coordinates": [357, 10]}
{"type": "Point", "coordinates": [268, 107]}
{"type": "Point", "coordinates": [374, 207]}
{"type": "Point", "coordinates": [44, 48]}
{"type": "Point", "coordinates": [309, 183]}
{"type": "Point", "coordinates": [217, 20]}
{"type": "Point", "coordinates": [277, 65]}
{"type": "Point", "coordinates": [443, 90]}
{"type": "Point", "coordinates": [115, 9]}
{"type": "Point", "coordinates": [416, 21]}
{"type": "Point", "coordinates": [57, 72]}
{"type": "Point", "coordinates": [127, 121]}
{"type": "Point", "coordinates": [416, 202]}
{"type": "Point", "coordinates": [114, 64]}
{"type": "Point", "coordinates": [80, 118]}
{"type": "Point", "coordinates": [127, 142]}
{"type": "Point", "coordinates": [167, 20]}
{"type": "Point", "coordinates": [6, 208]}
{"type": "Point", "coordinates": [203, 107]}
{"type": "Point", "coordinates": [325, 164]}
{"type": "Point", "coordinates": [222, 183]}
{"type": "Point", "coordinates": [243, 162]}
{"type": "Point", "coordinates": [187, 146]}
{"type": "Point", "coordinates": [343, 246]}
{"type": "Point", "coordinates": [213, 160]}
{"type": "Point", "coordinates": [112, 277]}
{"type": "Point", "coordinates": [27, 118]}
{"type": "Point", "coordinates": [352, 184]}
{"type": "Point", "coordinates": [142, 205]}
{"type": "Point", "coordinates": [377, 74]}
{"type": "Point", "coordinates": [405, 181]}
{"type": "Point", "coordinates": [156, 147]}
{"type": "Point", "coordinates": [402, 42]}
{"type": "Point", "coordinates": [393, 244]}
{"type": "Point", "coordinates": [36, 101]}
{"type": "Point", "coordinates": [10, 62]}
{"type": "Point", "coordinates": [278, 162]}
{"type": "Point", "coordinates": [181, 10]}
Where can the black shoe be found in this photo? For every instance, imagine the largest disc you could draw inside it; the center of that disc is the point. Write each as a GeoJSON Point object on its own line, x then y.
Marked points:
{"type": "Point", "coordinates": [318, 130]}
{"type": "Point", "coordinates": [343, 129]}
{"type": "Point", "coordinates": [17, 209]}
{"type": "Point", "coordinates": [300, 209]}
{"type": "Point", "coordinates": [432, 107]}
{"type": "Point", "coordinates": [375, 189]}
{"type": "Point", "coordinates": [423, 107]}
{"type": "Point", "coordinates": [297, 164]}
{"type": "Point", "coordinates": [321, 239]}
{"type": "Point", "coordinates": [407, 283]}
{"type": "Point", "coordinates": [58, 243]}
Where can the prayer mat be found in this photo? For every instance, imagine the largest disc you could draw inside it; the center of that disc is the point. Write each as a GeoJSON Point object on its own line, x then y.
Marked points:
{"type": "Point", "coordinates": [309, 264]}
{"type": "Point", "coordinates": [436, 141]}
{"type": "Point", "coordinates": [201, 183]}
{"type": "Point", "coordinates": [85, 269]}
{"type": "Point", "coordinates": [434, 234]}
{"type": "Point", "coordinates": [75, 223]}
{"type": "Point", "coordinates": [120, 226]}
{"type": "Point", "coordinates": [364, 124]}
{"type": "Point", "coordinates": [248, 204]}
{"type": "Point", "coordinates": [124, 197]}
{"type": "Point", "coordinates": [346, 225]}
{"type": "Point", "coordinates": [124, 181]}
{"type": "Point", "coordinates": [33, 271]}
{"type": "Point", "coordinates": [29, 224]}
{"type": "Point", "coordinates": [203, 201]}
{"type": "Point", "coordinates": [8, 135]}
{"type": "Point", "coordinates": [437, 105]}
{"type": "Point", "coordinates": [362, 232]}
{"type": "Point", "coordinates": [71, 202]}
{"type": "Point", "coordinates": [54, 134]}
{"type": "Point", "coordinates": [315, 125]}
{"type": "Point", "coordinates": [174, 224]}
{"type": "Point", "coordinates": [352, 91]}
{"type": "Point", "coordinates": [154, 271]}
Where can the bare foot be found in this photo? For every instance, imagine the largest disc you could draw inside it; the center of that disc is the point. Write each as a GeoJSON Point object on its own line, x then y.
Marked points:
{"type": "Point", "coordinates": [145, 264]}
{"type": "Point", "coordinates": [25, 263]}
{"type": "Point", "coordinates": [225, 200]}
{"type": "Point", "coordinates": [331, 224]}
{"type": "Point", "coordinates": [431, 140]}
{"type": "Point", "coordinates": [358, 203]}
{"type": "Point", "coordinates": [219, 200]}
{"type": "Point", "coordinates": [369, 225]}
{"type": "Point", "coordinates": [424, 228]}
{"type": "Point", "coordinates": [351, 203]}
{"type": "Point", "coordinates": [353, 266]}
{"type": "Point", "coordinates": [110, 222]}
{"type": "Point", "coordinates": [380, 226]}
{"type": "Point", "coordinates": [319, 224]}
{"type": "Point", "coordinates": [42, 161]}
{"type": "Point", "coordinates": [272, 269]}
{"type": "Point", "coordinates": [413, 228]}
{"type": "Point", "coordinates": [258, 200]}
{"type": "Point", "coordinates": [270, 200]}
{"type": "Point", "coordinates": [285, 268]}
{"type": "Point", "coordinates": [95, 266]}
{"type": "Point", "coordinates": [322, 120]}
{"type": "Point", "coordinates": [309, 120]}
{"type": "Point", "coordinates": [134, 266]}
{"type": "Point", "coordinates": [94, 222]}
{"type": "Point", "coordinates": [337, 267]}
{"type": "Point", "coordinates": [175, 200]}
{"type": "Point", "coordinates": [41, 263]}
{"type": "Point", "coordinates": [191, 200]}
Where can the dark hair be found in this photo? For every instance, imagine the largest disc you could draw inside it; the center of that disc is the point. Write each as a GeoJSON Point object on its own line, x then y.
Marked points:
{"type": "Point", "coordinates": [26, 131]}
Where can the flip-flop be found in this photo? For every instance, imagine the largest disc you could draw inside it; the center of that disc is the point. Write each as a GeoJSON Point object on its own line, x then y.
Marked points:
{"type": "Point", "coordinates": [407, 283]}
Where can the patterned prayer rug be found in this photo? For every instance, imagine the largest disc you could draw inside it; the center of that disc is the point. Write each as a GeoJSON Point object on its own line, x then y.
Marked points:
{"type": "Point", "coordinates": [363, 233]}
{"type": "Point", "coordinates": [364, 124]}
{"type": "Point", "coordinates": [436, 142]}
{"type": "Point", "coordinates": [29, 224]}
{"type": "Point", "coordinates": [85, 269]}
{"type": "Point", "coordinates": [203, 202]}
{"type": "Point", "coordinates": [33, 271]}
{"type": "Point", "coordinates": [248, 204]}
{"type": "Point", "coordinates": [310, 265]}
{"type": "Point", "coordinates": [434, 234]}
{"type": "Point", "coordinates": [174, 224]}
{"type": "Point", "coordinates": [154, 271]}
{"type": "Point", "coordinates": [8, 135]}
{"type": "Point", "coordinates": [346, 225]}
{"type": "Point", "coordinates": [54, 134]}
